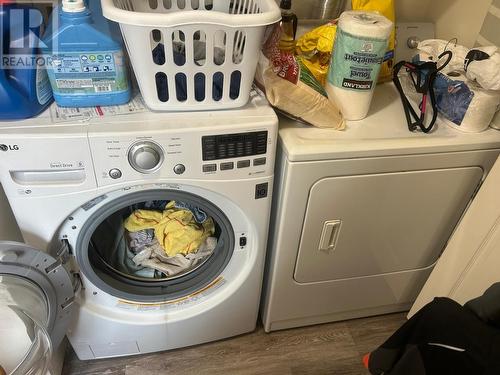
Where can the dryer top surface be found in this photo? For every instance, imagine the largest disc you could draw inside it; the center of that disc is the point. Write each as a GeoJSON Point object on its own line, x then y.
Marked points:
{"type": "Point", "coordinates": [383, 133]}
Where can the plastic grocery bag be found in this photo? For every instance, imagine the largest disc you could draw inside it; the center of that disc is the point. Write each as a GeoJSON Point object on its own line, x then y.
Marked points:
{"type": "Point", "coordinates": [315, 48]}
{"type": "Point", "coordinates": [291, 87]}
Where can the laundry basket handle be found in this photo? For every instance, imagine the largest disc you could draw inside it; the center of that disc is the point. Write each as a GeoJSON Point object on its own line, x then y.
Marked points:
{"type": "Point", "coordinates": [269, 14]}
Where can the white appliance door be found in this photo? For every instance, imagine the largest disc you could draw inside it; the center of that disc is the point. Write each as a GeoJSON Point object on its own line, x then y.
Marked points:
{"type": "Point", "coordinates": [36, 304]}
{"type": "Point", "coordinates": [469, 263]}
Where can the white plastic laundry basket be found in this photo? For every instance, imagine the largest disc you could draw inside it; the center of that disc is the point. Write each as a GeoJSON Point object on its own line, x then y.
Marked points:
{"type": "Point", "coordinates": [191, 55]}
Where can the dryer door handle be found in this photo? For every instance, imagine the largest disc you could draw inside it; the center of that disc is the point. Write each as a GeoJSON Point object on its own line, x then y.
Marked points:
{"type": "Point", "coordinates": [330, 235]}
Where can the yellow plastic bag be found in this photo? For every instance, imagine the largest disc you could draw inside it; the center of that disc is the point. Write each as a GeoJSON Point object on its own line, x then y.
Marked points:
{"type": "Point", "coordinates": [314, 49]}
{"type": "Point", "coordinates": [385, 7]}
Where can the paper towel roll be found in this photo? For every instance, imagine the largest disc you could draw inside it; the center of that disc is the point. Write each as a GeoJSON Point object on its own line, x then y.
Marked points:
{"type": "Point", "coordinates": [359, 50]}
{"type": "Point", "coordinates": [478, 112]}
{"type": "Point", "coordinates": [462, 103]}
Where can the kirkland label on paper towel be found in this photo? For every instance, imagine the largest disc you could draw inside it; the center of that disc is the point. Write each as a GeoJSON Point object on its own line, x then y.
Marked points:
{"type": "Point", "coordinates": [87, 73]}
{"type": "Point", "coordinates": [356, 61]}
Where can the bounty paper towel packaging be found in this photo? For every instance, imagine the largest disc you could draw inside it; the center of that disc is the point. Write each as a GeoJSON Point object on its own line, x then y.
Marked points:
{"type": "Point", "coordinates": [358, 52]}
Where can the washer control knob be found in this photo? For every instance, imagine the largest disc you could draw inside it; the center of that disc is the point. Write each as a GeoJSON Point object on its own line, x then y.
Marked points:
{"type": "Point", "coordinates": [180, 169]}
{"type": "Point", "coordinates": [146, 156]}
{"type": "Point", "coordinates": [115, 173]}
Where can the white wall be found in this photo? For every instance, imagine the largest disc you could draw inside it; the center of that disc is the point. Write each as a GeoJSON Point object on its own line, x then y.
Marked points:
{"type": "Point", "coordinates": [9, 231]}
{"type": "Point", "coordinates": [459, 18]}
{"type": "Point", "coordinates": [413, 10]}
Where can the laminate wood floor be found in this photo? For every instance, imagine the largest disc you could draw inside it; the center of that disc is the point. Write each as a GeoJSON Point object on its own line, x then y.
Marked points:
{"type": "Point", "coordinates": [326, 349]}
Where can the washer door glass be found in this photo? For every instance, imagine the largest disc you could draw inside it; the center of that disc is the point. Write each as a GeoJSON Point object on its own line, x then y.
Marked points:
{"type": "Point", "coordinates": [24, 316]}
{"type": "Point", "coordinates": [155, 245]}
{"type": "Point", "coordinates": [36, 306]}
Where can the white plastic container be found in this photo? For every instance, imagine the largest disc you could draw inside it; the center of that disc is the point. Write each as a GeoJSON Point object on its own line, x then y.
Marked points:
{"type": "Point", "coordinates": [191, 55]}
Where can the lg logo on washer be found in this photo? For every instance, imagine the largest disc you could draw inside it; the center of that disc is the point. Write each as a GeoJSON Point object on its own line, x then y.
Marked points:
{"type": "Point", "coordinates": [6, 148]}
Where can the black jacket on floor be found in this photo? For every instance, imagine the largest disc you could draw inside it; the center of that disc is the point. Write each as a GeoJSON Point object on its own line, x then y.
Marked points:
{"type": "Point", "coordinates": [444, 338]}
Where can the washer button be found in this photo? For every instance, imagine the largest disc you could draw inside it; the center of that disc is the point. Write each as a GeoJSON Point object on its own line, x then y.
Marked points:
{"type": "Point", "coordinates": [209, 168]}
{"type": "Point", "coordinates": [244, 164]}
{"type": "Point", "coordinates": [260, 161]}
{"type": "Point", "coordinates": [179, 169]}
{"type": "Point", "coordinates": [115, 173]}
{"type": "Point", "coordinates": [226, 166]}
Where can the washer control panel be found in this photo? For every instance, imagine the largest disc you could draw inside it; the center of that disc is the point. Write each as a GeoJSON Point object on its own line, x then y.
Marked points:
{"type": "Point", "coordinates": [175, 154]}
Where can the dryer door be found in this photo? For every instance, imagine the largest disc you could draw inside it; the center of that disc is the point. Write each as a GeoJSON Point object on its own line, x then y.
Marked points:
{"type": "Point", "coordinates": [366, 225]}
{"type": "Point", "coordinates": [36, 303]}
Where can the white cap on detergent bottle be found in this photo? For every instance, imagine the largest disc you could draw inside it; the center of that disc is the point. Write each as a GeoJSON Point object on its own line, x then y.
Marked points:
{"type": "Point", "coordinates": [73, 6]}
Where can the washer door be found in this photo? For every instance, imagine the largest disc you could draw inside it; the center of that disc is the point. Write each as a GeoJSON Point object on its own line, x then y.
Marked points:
{"type": "Point", "coordinates": [112, 257]}
{"type": "Point", "coordinates": [36, 304]}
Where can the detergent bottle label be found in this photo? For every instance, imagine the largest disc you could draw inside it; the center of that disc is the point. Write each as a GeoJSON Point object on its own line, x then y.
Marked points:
{"type": "Point", "coordinates": [88, 73]}
{"type": "Point", "coordinates": [356, 61]}
{"type": "Point", "coordinates": [43, 89]}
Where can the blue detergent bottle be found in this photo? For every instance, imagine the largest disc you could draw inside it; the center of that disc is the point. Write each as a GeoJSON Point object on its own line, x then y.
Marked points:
{"type": "Point", "coordinates": [85, 62]}
{"type": "Point", "coordinates": [24, 86]}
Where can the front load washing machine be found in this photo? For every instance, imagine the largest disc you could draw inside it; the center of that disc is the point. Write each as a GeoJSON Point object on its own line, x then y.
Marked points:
{"type": "Point", "coordinates": [71, 185]}
{"type": "Point", "coordinates": [360, 217]}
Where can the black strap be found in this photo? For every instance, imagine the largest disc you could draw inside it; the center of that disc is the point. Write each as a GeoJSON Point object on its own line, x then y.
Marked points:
{"type": "Point", "coordinates": [423, 76]}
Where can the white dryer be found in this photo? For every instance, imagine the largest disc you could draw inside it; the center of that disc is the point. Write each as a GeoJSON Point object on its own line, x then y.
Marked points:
{"type": "Point", "coordinates": [360, 217]}
{"type": "Point", "coordinates": [66, 182]}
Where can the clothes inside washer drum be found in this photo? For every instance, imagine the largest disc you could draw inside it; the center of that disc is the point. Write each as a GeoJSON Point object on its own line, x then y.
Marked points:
{"type": "Point", "coordinates": [110, 244]}
{"type": "Point", "coordinates": [153, 256]}
{"type": "Point", "coordinates": [175, 228]}
{"type": "Point", "coordinates": [138, 255]}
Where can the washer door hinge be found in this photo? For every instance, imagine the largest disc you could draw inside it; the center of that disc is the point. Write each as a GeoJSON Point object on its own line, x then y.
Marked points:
{"type": "Point", "coordinates": [64, 250]}
{"type": "Point", "coordinates": [62, 256]}
{"type": "Point", "coordinates": [77, 282]}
